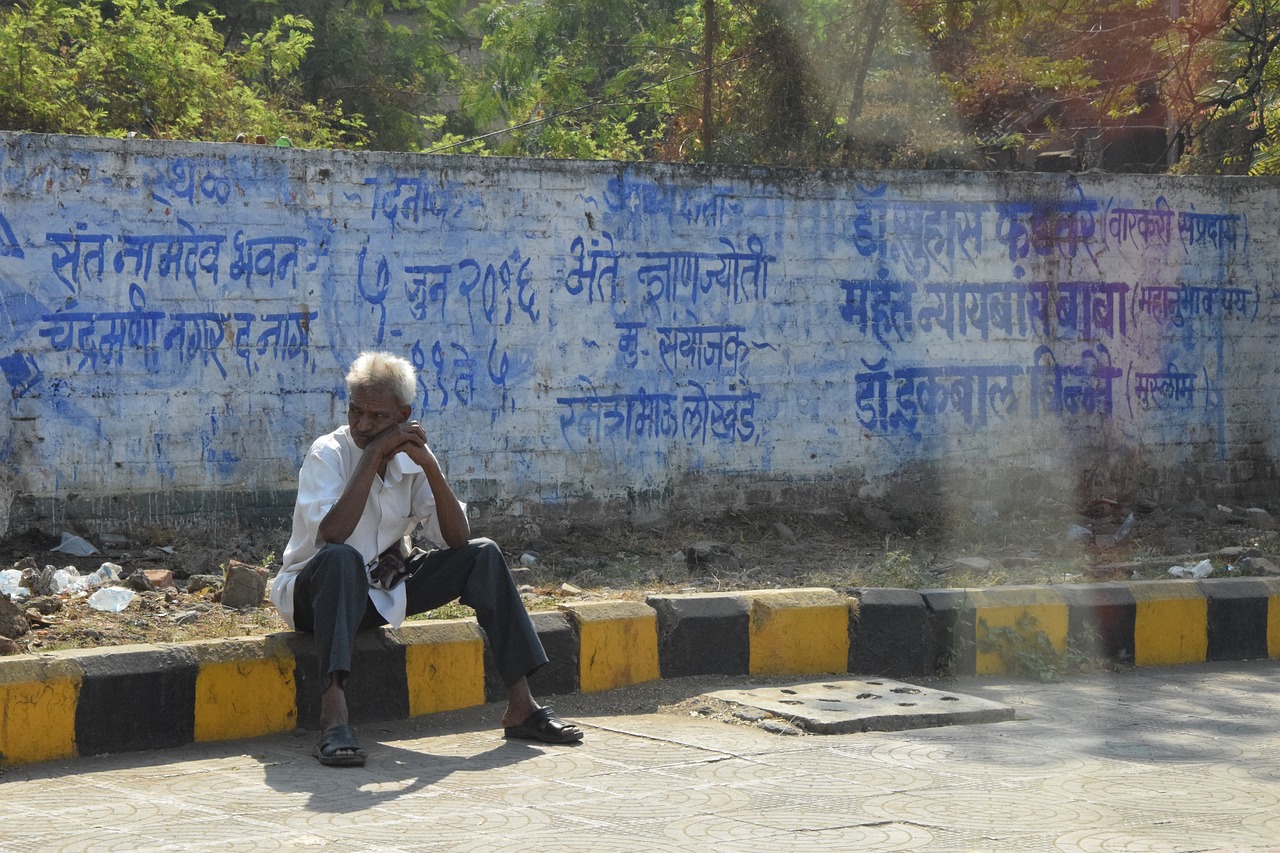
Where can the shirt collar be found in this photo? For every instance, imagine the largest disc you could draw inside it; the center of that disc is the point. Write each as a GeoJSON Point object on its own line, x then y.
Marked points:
{"type": "Point", "coordinates": [399, 466]}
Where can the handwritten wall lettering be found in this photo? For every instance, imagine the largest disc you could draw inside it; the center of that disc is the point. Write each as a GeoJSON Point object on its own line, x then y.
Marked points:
{"type": "Point", "coordinates": [1142, 227]}
{"type": "Point", "coordinates": [102, 338]}
{"type": "Point", "coordinates": [918, 237]}
{"type": "Point", "coordinates": [1167, 388]}
{"type": "Point", "coordinates": [599, 327]}
{"type": "Point", "coordinates": [639, 416]}
{"type": "Point", "coordinates": [398, 201]}
{"type": "Point", "coordinates": [899, 399]}
{"type": "Point", "coordinates": [647, 200]}
{"type": "Point", "coordinates": [1174, 307]}
{"type": "Point", "coordinates": [191, 181]}
{"type": "Point", "coordinates": [669, 277]}
{"type": "Point", "coordinates": [894, 311]}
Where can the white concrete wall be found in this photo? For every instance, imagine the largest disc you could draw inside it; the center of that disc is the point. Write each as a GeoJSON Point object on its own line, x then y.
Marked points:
{"type": "Point", "coordinates": [177, 319]}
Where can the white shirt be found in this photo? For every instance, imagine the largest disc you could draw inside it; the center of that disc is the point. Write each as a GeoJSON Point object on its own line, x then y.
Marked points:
{"type": "Point", "coordinates": [398, 502]}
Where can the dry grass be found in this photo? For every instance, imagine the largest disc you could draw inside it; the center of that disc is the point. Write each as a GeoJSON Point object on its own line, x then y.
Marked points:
{"type": "Point", "coordinates": [750, 553]}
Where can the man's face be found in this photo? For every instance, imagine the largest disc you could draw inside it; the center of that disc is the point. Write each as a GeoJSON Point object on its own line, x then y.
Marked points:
{"type": "Point", "coordinates": [371, 413]}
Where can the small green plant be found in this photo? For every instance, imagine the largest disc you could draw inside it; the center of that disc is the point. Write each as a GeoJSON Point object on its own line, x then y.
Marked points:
{"type": "Point", "coordinates": [452, 610]}
{"type": "Point", "coordinates": [899, 569]}
{"type": "Point", "coordinates": [1027, 650]}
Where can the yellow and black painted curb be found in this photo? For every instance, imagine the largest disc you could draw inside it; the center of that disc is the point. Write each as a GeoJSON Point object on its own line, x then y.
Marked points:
{"type": "Point", "coordinates": [117, 699]}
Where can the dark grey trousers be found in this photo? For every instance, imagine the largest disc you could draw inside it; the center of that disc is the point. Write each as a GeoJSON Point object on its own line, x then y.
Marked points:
{"type": "Point", "coordinates": [331, 600]}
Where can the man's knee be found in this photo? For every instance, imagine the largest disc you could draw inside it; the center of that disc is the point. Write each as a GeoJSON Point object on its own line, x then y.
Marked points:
{"type": "Point", "coordinates": [486, 547]}
{"type": "Point", "coordinates": [338, 551]}
{"type": "Point", "coordinates": [338, 559]}
{"type": "Point", "coordinates": [487, 554]}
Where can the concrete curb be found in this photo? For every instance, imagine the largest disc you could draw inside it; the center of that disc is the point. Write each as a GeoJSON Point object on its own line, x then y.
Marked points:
{"type": "Point", "coordinates": [89, 702]}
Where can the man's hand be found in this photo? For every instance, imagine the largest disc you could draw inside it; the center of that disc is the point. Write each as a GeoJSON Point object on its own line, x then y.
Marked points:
{"type": "Point", "coordinates": [402, 437]}
{"type": "Point", "coordinates": [417, 448]}
{"type": "Point", "coordinates": [410, 439]}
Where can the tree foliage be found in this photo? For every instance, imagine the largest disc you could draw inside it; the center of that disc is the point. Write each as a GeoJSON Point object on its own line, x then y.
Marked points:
{"type": "Point", "coordinates": [568, 78]}
{"type": "Point", "coordinates": [142, 66]}
{"type": "Point", "coordinates": [907, 83]}
{"type": "Point", "coordinates": [754, 81]}
{"type": "Point", "coordinates": [1225, 87]}
{"type": "Point", "coordinates": [389, 61]}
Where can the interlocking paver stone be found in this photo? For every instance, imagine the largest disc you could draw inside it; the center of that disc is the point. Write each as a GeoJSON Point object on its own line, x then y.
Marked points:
{"type": "Point", "coordinates": [1170, 759]}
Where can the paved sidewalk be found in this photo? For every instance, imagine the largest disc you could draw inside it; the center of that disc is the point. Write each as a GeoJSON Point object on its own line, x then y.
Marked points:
{"type": "Point", "coordinates": [1177, 759]}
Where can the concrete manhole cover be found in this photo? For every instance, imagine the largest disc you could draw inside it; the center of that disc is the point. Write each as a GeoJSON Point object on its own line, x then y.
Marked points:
{"type": "Point", "coordinates": [878, 705]}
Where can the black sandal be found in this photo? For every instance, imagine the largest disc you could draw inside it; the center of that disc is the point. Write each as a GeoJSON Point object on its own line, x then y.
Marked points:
{"type": "Point", "coordinates": [543, 725]}
{"type": "Point", "coordinates": [338, 747]}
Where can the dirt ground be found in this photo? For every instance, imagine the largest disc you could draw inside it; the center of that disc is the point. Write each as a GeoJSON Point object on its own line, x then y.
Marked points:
{"type": "Point", "coordinates": [841, 550]}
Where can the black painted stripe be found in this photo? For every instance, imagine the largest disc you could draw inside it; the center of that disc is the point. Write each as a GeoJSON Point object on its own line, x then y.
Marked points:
{"type": "Point", "coordinates": [136, 699]}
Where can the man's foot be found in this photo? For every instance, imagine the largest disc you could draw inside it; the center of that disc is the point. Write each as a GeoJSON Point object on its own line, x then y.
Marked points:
{"type": "Point", "coordinates": [338, 747]}
{"type": "Point", "coordinates": [546, 726]}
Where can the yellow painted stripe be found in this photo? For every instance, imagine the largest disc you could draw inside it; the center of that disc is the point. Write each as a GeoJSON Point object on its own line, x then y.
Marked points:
{"type": "Point", "coordinates": [244, 688]}
{"type": "Point", "coordinates": [799, 631]}
{"type": "Point", "coordinates": [38, 698]}
{"type": "Point", "coordinates": [1273, 626]}
{"type": "Point", "coordinates": [444, 665]}
{"type": "Point", "coordinates": [618, 644]}
{"type": "Point", "coordinates": [1029, 611]}
{"type": "Point", "coordinates": [1171, 625]}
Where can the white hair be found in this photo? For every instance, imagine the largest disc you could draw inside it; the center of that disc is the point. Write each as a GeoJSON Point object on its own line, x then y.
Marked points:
{"type": "Point", "coordinates": [383, 372]}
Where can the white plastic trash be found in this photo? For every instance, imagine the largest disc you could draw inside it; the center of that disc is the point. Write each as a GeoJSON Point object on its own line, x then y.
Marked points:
{"type": "Point", "coordinates": [67, 580]}
{"type": "Point", "coordinates": [1082, 535]}
{"type": "Point", "coordinates": [11, 584]}
{"type": "Point", "coordinates": [1202, 569]}
{"type": "Point", "coordinates": [111, 599]}
{"type": "Point", "coordinates": [107, 573]}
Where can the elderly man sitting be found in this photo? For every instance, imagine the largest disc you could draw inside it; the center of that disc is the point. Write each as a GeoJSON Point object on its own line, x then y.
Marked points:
{"type": "Point", "coordinates": [362, 490]}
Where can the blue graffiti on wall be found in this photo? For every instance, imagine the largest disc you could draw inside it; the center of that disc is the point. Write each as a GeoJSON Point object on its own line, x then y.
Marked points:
{"type": "Point", "coordinates": [700, 316]}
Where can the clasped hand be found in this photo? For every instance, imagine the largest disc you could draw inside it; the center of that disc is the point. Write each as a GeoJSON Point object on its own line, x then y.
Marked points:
{"type": "Point", "coordinates": [408, 438]}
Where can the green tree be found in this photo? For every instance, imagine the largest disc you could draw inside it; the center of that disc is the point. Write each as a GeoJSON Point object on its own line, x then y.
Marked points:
{"type": "Point", "coordinates": [1224, 85]}
{"type": "Point", "coordinates": [565, 78]}
{"type": "Point", "coordinates": [831, 82]}
{"type": "Point", "coordinates": [108, 69]}
{"type": "Point", "coordinates": [1079, 74]}
{"type": "Point", "coordinates": [393, 62]}
{"type": "Point", "coordinates": [816, 82]}
{"type": "Point", "coordinates": [903, 83]}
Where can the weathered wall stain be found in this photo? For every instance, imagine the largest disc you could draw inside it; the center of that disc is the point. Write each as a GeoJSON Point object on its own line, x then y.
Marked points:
{"type": "Point", "coordinates": [177, 319]}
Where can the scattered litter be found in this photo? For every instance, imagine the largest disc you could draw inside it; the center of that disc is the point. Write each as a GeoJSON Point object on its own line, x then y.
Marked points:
{"type": "Point", "coordinates": [107, 573]}
{"type": "Point", "coordinates": [1202, 569]}
{"type": "Point", "coordinates": [1076, 533]}
{"type": "Point", "coordinates": [1125, 530]}
{"type": "Point", "coordinates": [11, 584]}
{"type": "Point", "coordinates": [74, 545]}
{"type": "Point", "coordinates": [111, 599]}
{"type": "Point", "coordinates": [67, 579]}
{"type": "Point", "coordinates": [528, 558]}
